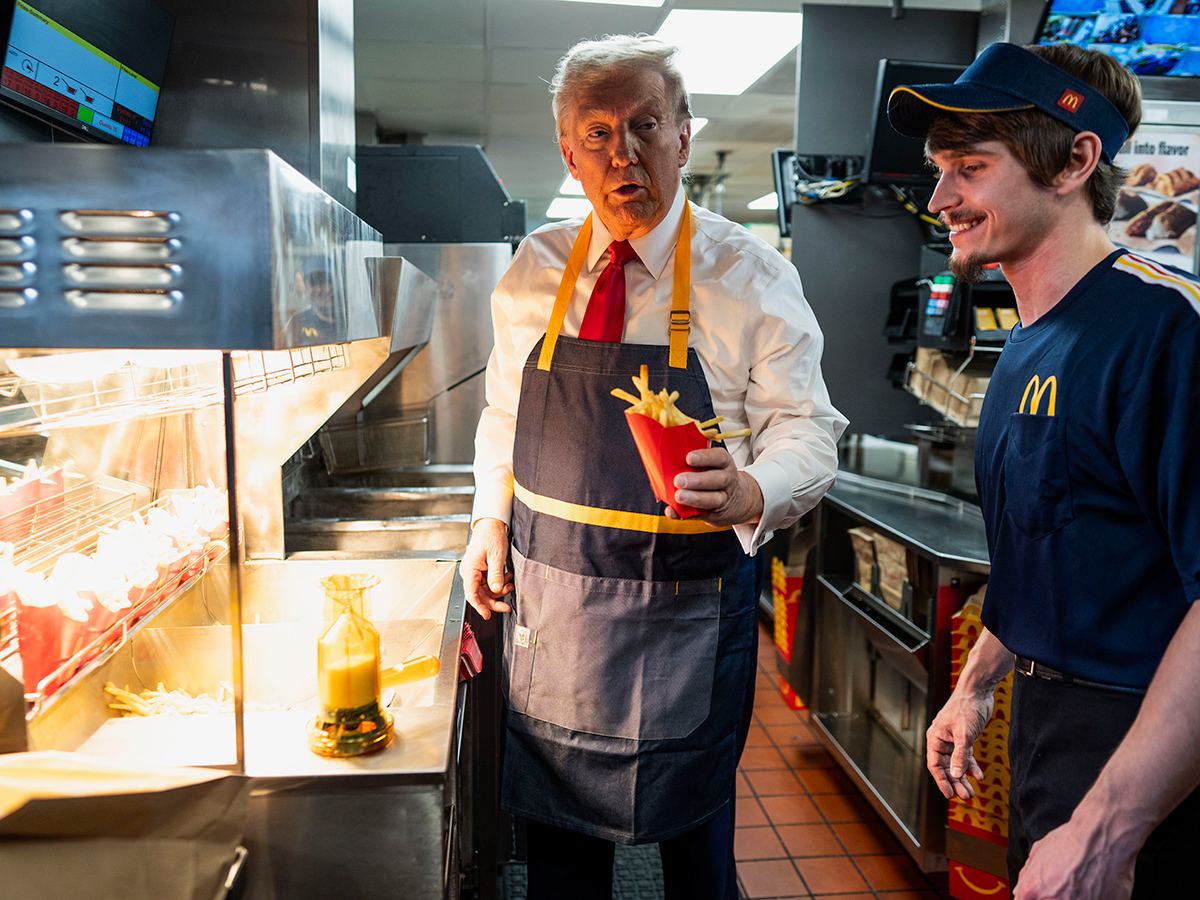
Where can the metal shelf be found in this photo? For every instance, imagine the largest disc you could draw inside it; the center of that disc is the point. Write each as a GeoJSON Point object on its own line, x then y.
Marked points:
{"type": "Point", "coordinates": [147, 385]}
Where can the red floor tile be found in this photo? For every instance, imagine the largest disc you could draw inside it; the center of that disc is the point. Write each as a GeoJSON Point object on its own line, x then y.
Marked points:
{"type": "Point", "coordinates": [844, 808]}
{"type": "Point", "coordinates": [777, 715]}
{"type": "Point", "coordinates": [790, 734]}
{"type": "Point", "coordinates": [743, 786]}
{"type": "Point", "coordinates": [826, 781]}
{"type": "Point", "coordinates": [809, 840]}
{"type": "Point", "coordinates": [757, 843]}
{"type": "Point", "coordinates": [790, 809]}
{"type": "Point", "coordinates": [804, 831]}
{"type": "Point", "coordinates": [762, 758]}
{"type": "Point", "coordinates": [758, 737]}
{"type": "Point", "coordinates": [828, 874]}
{"type": "Point", "coordinates": [771, 878]}
{"type": "Point", "coordinates": [808, 756]}
{"type": "Point", "coordinates": [866, 838]}
{"type": "Point", "coordinates": [750, 812]}
{"type": "Point", "coordinates": [892, 873]}
{"type": "Point", "coordinates": [768, 782]}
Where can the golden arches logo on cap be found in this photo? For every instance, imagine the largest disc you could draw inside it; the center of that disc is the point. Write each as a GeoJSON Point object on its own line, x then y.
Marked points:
{"type": "Point", "coordinates": [1071, 100]}
{"type": "Point", "coordinates": [1007, 78]}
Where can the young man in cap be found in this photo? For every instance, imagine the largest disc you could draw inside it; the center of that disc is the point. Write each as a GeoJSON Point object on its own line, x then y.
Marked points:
{"type": "Point", "coordinates": [1088, 467]}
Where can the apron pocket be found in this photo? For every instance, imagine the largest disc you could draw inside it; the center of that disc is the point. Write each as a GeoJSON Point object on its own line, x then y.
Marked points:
{"type": "Point", "coordinates": [617, 657]}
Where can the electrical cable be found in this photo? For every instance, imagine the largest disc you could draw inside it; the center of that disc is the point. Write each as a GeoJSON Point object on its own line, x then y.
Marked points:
{"type": "Point", "coordinates": [810, 192]}
{"type": "Point", "coordinates": [906, 200]}
{"type": "Point", "coordinates": [812, 189]}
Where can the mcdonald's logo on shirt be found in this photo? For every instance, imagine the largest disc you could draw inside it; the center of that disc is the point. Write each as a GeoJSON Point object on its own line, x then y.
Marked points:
{"type": "Point", "coordinates": [1071, 101]}
{"type": "Point", "coordinates": [1037, 388]}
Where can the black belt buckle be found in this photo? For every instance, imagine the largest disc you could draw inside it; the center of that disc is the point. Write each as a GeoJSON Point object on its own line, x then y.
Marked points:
{"type": "Point", "coordinates": [1035, 669]}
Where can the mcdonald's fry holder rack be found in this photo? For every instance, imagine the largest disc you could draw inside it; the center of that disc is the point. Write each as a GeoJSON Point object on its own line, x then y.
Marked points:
{"type": "Point", "coordinates": [164, 364]}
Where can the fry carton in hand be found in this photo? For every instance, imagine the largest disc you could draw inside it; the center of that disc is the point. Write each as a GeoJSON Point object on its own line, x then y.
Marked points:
{"type": "Point", "coordinates": [665, 436]}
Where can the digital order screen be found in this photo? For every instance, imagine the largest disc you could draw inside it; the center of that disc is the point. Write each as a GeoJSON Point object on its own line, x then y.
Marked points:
{"type": "Point", "coordinates": [53, 66]}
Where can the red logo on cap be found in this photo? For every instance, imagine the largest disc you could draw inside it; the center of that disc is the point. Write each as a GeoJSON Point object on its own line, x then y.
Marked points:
{"type": "Point", "coordinates": [1071, 101]}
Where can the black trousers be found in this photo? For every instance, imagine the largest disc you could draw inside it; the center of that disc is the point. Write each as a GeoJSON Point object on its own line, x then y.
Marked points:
{"type": "Point", "coordinates": [1060, 737]}
{"type": "Point", "coordinates": [697, 865]}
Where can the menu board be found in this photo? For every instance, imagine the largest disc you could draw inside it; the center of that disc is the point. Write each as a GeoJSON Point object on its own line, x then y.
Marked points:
{"type": "Point", "coordinates": [1156, 209]}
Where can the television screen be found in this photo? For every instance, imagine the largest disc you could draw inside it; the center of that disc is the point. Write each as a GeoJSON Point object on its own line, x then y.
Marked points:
{"type": "Point", "coordinates": [783, 168]}
{"type": "Point", "coordinates": [95, 65]}
{"type": "Point", "coordinates": [894, 158]}
{"type": "Point", "coordinates": [1152, 37]}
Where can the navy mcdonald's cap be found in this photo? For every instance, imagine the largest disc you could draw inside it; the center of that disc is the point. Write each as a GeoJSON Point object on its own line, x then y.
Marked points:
{"type": "Point", "coordinates": [1006, 78]}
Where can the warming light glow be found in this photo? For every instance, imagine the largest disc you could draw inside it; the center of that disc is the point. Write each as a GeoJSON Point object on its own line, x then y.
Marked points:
{"type": "Point", "coordinates": [726, 51]}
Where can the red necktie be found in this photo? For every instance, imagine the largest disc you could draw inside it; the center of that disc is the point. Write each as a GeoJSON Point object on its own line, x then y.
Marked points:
{"type": "Point", "coordinates": [605, 316]}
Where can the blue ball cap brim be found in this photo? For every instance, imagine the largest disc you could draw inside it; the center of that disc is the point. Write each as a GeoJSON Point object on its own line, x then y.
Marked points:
{"type": "Point", "coordinates": [1005, 78]}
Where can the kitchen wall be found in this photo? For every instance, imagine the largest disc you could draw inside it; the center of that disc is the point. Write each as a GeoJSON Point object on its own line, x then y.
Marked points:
{"type": "Point", "coordinates": [850, 254]}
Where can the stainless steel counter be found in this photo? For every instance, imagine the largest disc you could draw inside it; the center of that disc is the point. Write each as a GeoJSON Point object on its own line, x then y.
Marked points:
{"type": "Point", "coordinates": [939, 526]}
{"type": "Point", "coordinates": [383, 824]}
{"type": "Point", "coordinates": [316, 826]}
{"type": "Point", "coordinates": [880, 672]}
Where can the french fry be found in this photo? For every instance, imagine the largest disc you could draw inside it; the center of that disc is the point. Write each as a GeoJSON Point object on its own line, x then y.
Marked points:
{"type": "Point", "coordinates": [178, 702]}
{"type": "Point", "coordinates": [661, 407]}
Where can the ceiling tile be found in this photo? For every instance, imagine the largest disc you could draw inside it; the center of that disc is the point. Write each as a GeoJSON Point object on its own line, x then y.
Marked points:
{"type": "Point", "coordinates": [429, 21]}
{"type": "Point", "coordinates": [419, 62]}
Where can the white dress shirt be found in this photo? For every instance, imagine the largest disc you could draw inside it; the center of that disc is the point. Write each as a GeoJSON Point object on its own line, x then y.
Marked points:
{"type": "Point", "coordinates": [757, 339]}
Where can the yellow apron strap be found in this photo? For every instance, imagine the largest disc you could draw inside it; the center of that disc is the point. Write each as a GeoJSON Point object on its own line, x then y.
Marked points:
{"type": "Point", "coordinates": [681, 290]}
{"type": "Point", "coordinates": [611, 518]}
{"type": "Point", "coordinates": [681, 316]}
{"type": "Point", "coordinates": [566, 288]}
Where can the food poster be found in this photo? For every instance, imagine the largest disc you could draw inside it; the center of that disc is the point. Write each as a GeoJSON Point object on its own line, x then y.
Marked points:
{"type": "Point", "coordinates": [1156, 209]}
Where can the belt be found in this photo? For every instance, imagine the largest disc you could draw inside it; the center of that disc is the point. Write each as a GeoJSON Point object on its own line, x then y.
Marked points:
{"type": "Point", "coordinates": [1034, 669]}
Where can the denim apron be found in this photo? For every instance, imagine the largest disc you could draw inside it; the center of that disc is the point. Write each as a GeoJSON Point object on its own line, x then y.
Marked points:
{"type": "Point", "coordinates": [629, 648]}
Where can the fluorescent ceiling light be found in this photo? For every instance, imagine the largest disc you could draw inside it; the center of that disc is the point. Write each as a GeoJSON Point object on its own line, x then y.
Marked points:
{"type": "Point", "coordinates": [698, 122]}
{"type": "Point", "coordinates": [571, 187]}
{"type": "Point", "coordinates": [766, 201]}
{"type": "Point", "coordinates": [567, 207]}
{"type": "Point", "coordinates": [726, 51]}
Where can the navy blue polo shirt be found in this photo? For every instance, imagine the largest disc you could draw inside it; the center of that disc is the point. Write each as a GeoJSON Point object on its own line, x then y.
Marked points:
{"type": "Point", "coordinates": [1088, 469]}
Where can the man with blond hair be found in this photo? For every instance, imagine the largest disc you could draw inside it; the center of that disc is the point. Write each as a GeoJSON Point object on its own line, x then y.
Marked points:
{"type": "Point", "coordinates": [629, 632]}
{"type": "Point", "coordinates": [1086, 463]}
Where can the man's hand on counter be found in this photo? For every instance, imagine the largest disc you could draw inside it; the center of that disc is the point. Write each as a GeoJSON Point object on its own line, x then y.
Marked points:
{"type": "Point", "coordinates": [730, 495]}
{"type": "Point", "coordinates": [484, 568]}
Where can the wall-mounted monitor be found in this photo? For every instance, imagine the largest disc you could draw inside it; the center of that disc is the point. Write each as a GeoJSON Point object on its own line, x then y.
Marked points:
{"type": "Point", "coordinates": [892, 157]}
{"type": "Point", "coordinates": [95, 66]}
{"type": "Point", "coordinates": [783, 168]}
{"type": "Point", "coordinates": [1159, 40]}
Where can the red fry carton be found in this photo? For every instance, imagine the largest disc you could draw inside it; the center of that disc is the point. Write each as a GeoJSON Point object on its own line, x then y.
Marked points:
{"type": "Point", "coordinates": [39, 639]}
{"type": "Point", "coordinates": [17, 506]}
{"type": "Point", "coordinates": [663, 450]}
